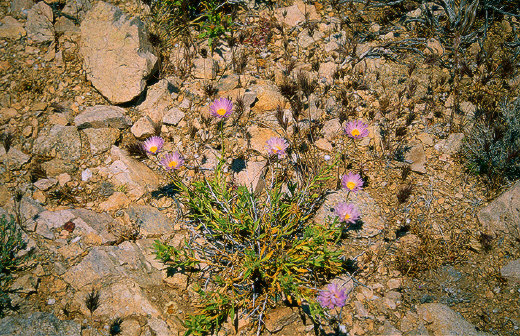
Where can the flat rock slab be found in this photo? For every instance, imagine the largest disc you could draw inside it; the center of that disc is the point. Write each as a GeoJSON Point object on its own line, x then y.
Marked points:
{"type": "Point", "coordinates": [118, 57]}
{"type": "Point", "coordinates": [100, 116]}
{"type": "Point", "coordinates": [441, 320]}
{"type": "Point", "coordinates": [91, 226]}
{"type": "Point", "coordinates": [371, 222]}
{"type": "Point", "coordinates": [151, 222]}
{"type": "Point", "coordinates": [39, 24]}
{"type": "Point", "coordinates": [502, 215]}
{"type": "Point", "coordinates": [511, 271]}
{"type": "Point", "coordinates": [109, 264]}
{"type": "Point", "coordinates": [38, 324]}
{"type": "Point", "coordinates": [62, 142]}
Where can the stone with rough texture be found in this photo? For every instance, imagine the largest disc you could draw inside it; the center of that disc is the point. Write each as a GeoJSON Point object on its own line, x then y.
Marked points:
{"type": "Point", "coordinates": [77, 8]}
{"type": "Point", "coordinates": [38, 324]}
{"type": "Point", "coordinates": [19, 8]}
{"type": "Point", "coordinates": [151, 222]}
{"type": "Point", "coordinates": [134, 174]}
{"type": "Point", "coordinates": [451, 145]}
{"type": "Point", "coordinates": [332, 128]}
{"type": "Point", "coordinates": [371, 221]}
{"type": "Point", "coordinates": [118, 57]}
{"type": "Point", "coordinates": [116, 201]}
{"type": "Point", "coordinates": [15, 159]}
{"type": "Point", "coordinates": [62, 142]}
{"type": "Point", "coordinates": [502, 215]}
{"type": "Point", "coordinates": [173, 116]}
{"type": "Point", "coordinates": [39, 24]}
{"type": "Point", "coordinates": [205, 68]}
{"type": "Point", "coordinates": [143, 128]}
{"type": "Point", "coordinates": [441, 320]}
{"type": "Point", "coordinates": [416, 157]}
{"type": "Point", "coordinates": [259, 137]}
{"type": "Point", "coordinates": [101, 139]}
{"type": "Point", "coordinates": [10, 28]}
{"type": "Point", "coordinates": [91, 226]}
{"type": "Point", "coordinates": [295, 14]}
{"type": "Point", "coordinates": [252, 176]}
{"type": "Point", "coordinates": [159, 98]}
{"type": "Point", "coordinates": [511, 271]}
{"type": "Point", "coordinates": [99, 116]}
{"type": "Point", "coordinates": [268, 98]}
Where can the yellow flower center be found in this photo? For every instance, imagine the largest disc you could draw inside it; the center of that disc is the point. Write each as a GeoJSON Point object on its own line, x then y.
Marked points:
{"type": "Point", "coordinates": [277, 148]}
{"type": "Point", "coordinates": [347, 216]}
{"type": "Point", "coordinates": [355, 132]}
{"type": "Point", "coordinates": [172, 164]}
{"type": "Point", "coordinates": [153, 149]}
{"type": "Point", "coordinates": [221, 111]}
{"type": "Point", "coordinates": [351, 185]}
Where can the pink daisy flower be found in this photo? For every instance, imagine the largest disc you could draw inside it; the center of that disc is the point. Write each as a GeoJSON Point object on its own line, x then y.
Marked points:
{"type": "Point", "coordinates": [277, 146]}
{"type": "Point", "coordinates": [352, 182]}
{"type": "Point", "coordinates": [172, 161]}
{"type": "Point", "coordinates": [153, 145]}
{"type": "Point", "coordinates": [221, 108]}
{"type": "Point", "coordinates": [356, 129]}
{"type": "Point", "coordinates": [347, 213]}
{"type": "Point", "coordinates": [332, 297]}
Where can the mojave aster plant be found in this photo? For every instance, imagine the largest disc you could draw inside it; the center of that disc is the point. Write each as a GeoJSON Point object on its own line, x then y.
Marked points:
{"type": "Point", "coordinates": [356, 129]}
{"type": "Point", "coordinates": [352, 182]}
{"type": "Point", "coordinates": [221, 108]}
{"type": "Point", "coordinates": [332, 297]}
{"type": "Point", "coordinates": [153, 145]}
{"type": "Point", "coordinates": [277, 146]}
{"type": "Point", "coordinates": [172, 161]}
{"type": "Point", "coordinates": [347, 213]}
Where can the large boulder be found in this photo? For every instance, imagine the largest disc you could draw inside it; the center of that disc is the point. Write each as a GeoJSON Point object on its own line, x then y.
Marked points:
{"type": "Point", "coordinates": [118, 57]}
{"type": "Point", "coordinates": [38, 324]}
{"type": "Point", "coordinates": [502, 216]}
{"type": "Point", "coordinates": [39, 24]}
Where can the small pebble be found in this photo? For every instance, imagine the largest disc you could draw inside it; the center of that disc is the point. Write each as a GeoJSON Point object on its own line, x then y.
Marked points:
{"type": "Point", "coordinates": [51, 301]}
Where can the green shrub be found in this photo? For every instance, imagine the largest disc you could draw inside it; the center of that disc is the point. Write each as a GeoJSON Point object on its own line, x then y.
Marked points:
{"type": "Point", "coordinates": [252, 251]}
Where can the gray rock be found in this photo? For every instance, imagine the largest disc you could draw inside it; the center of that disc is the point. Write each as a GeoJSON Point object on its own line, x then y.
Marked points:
{"type": "Point", "coordinates": [118, 56]}
{"type": "Point", "coordinates": [502, 215]}
{"type": "Point", "coordinates": [205, 68]}
{"type": "Point", "coordinates": [151, 222]}
{"type": "Point", "coordinates": [444, 321]}
{"type": "Point", "coordinates": [159, 98]}
{"type": "Point", "coordinates": [416, 157]}
{"type": "Point", "coordinates": [39, 24]}
{"type": "Point", "coordinates": [173, 116]}
{"type": "Point", "coordinates": [10, 28]}
{"type": "Point", "coordinates": [227, 83]}
{"type": "Point", "coordinates": [332, 128]}
{"type": "Point", "coordinates": [371, 219]}
{"type": "Point", "coordinates": [109, 264]}
{"type": "Point", "coordinates": [100, 116]}
{"type": "Point", "coordinates": [91, 226]}
{"type": "Point", "coordinates": [390, 330]}
{"type": "Point", "coordinates": [62, 142]}
{"type": "Point", "coordinates": [38, 324]}
{"type": "Point", "coordinates": [19, 8]}
{"type": "Point", "coordinates": [25, 284]}
{"type": "Point", "coordinates": [45, 184]}
{"type": "Point", "coordinates": [326, 72]}
{"type": "Point", "coordinates": [15, 159]}
{"type": "Point", "coordinates": [101, 139]}
{"type": "Point", "coordinates": [252, 176]}
{"type": "Point", "coordinates": [77, 8]}
{"type": "Point", "coordinates": [134, 174]}
{"type": "Point", "coordinates": [57, 167]}
{"type": "Point", "coordinates": [511, 271]}
{"type": "Point", "coordinates": [451, 145]}
{"type": "Point", "coordinates": [143, 128]}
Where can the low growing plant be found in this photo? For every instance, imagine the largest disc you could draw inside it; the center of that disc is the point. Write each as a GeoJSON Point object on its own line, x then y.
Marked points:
{"type": "Point", "coordinates": [253, 250]}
